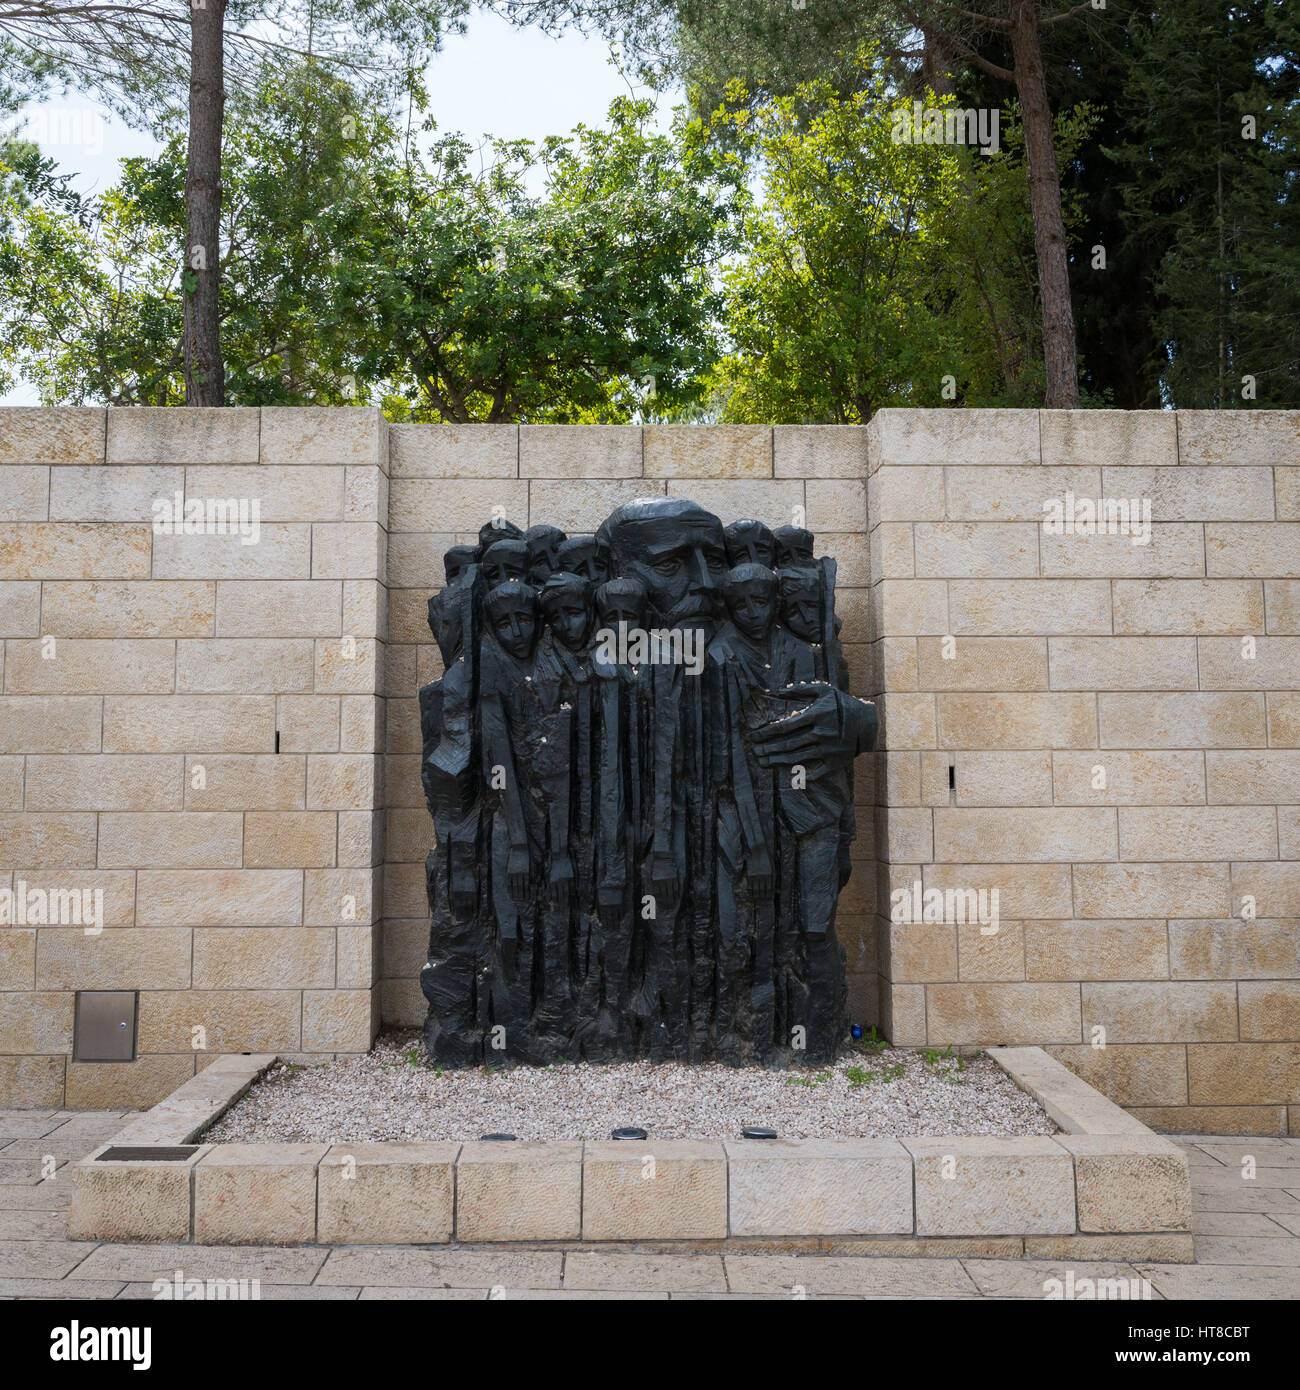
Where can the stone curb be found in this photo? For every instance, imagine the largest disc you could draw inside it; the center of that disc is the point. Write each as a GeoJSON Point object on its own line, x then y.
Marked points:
{"type": "Point", "coordinates": [1105, 1188]}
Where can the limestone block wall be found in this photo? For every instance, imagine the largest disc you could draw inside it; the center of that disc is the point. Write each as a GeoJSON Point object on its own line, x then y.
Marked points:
{"type": "Point", "coordinates": [1106, 733]}
{"type": "Point", "coordinates": [446, 481]}
{"type": "Point", "coordinates": [192, 726]}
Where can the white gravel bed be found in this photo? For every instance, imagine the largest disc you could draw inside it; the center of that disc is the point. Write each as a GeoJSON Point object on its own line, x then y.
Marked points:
{"type": "Point", "coordinates": [394, 1093]}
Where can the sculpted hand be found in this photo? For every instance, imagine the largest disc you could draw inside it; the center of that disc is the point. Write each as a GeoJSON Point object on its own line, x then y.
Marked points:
{"type": "Point", "coordinates": [761, 876]}
{"type": "Point", "coordinates": [824, 732]}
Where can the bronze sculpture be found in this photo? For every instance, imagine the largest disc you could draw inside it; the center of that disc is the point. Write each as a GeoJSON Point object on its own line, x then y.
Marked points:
{"type": "Point", "coordinates": [642, 792]}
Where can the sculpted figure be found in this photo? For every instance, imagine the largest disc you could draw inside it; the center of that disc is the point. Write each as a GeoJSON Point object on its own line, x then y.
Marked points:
{"type": "Point", "coordinates": [638, 762]}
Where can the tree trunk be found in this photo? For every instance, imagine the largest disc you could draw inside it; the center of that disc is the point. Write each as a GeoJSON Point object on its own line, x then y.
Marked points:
{"type": "Point", "coordinates": [1059, 351]}
{"type": "Point", "coordinates": [205, 377]}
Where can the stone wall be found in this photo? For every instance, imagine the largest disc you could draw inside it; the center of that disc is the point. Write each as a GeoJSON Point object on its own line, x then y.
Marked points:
{"type": "Point", "coordinates": [1122, 728]}
{"type": "Point", "coordinates": [200, 741]}
{"type": "Point", "coordinates": [245, 902]}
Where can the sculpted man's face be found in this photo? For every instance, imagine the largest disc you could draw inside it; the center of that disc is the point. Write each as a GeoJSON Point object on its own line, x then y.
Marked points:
{"type": "Point", "coordinates": [505, 560]}
{"type": "Point", "coordinates": [681, 562]}
{"type": "Point", "coordinates": [514, 622]}
{"type": "Point", "coordinates": [752, 604]}
{"type": "Point", "coordinates": [801, 607]}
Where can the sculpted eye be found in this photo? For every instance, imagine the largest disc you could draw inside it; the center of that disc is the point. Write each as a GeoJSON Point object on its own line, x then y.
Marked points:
{"type": "Point", "coordinates": [667, 565]}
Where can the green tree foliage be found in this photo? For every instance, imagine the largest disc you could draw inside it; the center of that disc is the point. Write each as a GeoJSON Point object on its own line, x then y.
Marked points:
{"type": "Point", "coordinates": [877, 272]}
{"type": "Point", "coordinates": [1220, 198]}
{"type": "Point", "coordinates": [563, 281]}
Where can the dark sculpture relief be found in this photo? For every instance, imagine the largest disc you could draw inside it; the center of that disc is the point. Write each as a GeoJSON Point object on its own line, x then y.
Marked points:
{"type": "Point", "coordinates": [639, 766]}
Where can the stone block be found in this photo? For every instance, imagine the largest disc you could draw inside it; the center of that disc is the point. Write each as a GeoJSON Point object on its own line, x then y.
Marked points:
{"type": "Point", "coordinates": [1175, 550]}
{"type": "Point", "coordinates": [199, 434]}
{"type": "Point", "coordinates": [819, 451]}
{"type": "Point", "coordinates": [1264, 550]}
{"type": "Point", "coordinates": [32, 1083]}
{"type": "Point", "coordinates": [1024, 890]}
{"type": "Point", "coordinates": [1196, 494]}
{"type": "Point", "coordinates": [436, 505]}
{"type": "Point", "coordinates": [116, 958]}
{"type": "Point", "coordinates": [1245, 1073]}
{"type": "Point", "coordinates": [262, 957]}
{"type": "Point", "coordinates": [1238, 437]}
{"type": "Point", "coordinates": [519, 1191]}
{"type": "Point", "coordinates": [97, 493]}
{"type": "Point", "coordinates": [654, 1190]}
{"type": "Point", "coordinates": [976, 550]}
{"type": "Point", "coordinates": [170, 840]}
{"type": "Point", "coordinates": [1282, 605]}
{"type": "Point", "coordinates": [982, 663]}
{"type": "Point", "coordinates": [256, 1194]}
{"type": "Point", "coordinates": [1204, 720]}
{"type": "Point", "coordinates": [37, 434]}
{"type": "Point", "coordinates": [1169, 778]}
{"type": "Point", "coordinates": [1109, 437]}
{"type": "Point", "coordinates": [290, 839]}
{"type": "Point", "coordinates": [282, 494]}
{"type": "Point", "coordinates": [62, 839]}
{"type": "Point", "coordinates": [581, 452]}
{"type": "Point", "coordinates": [1194, 832]}
{"type": "Point", "coordinates": [279, 608]}
{"type": "Point", "coordinates": [20, 608]}
{"type": "Point", "coordinates": [708, 452]}
{"type": "Point", "coordinates": [105, 782]}
{"type": "Point", "coordinates": [219, 898]}
{"type": "Point", "coordinates": [454, 451]}
{"type": "Point", "coordinates": [67, 550]}
{"type": "Point", "coordinates": [835, 504]}
{"type": "Point", "coordinates": [49, 724]}
{"type": "Point", "coordinates": [26, 493]}
{"type": "Point", "coordinates": [987, 1187]}
{"type": "Point", "coordinates": [1123, 663]}
{"type": "Point", "coordinates": [1096, 950]}
{"type": "Point", "coordinates": [89, 666]}
{"type": "Point", "coordinates": [231, 1020]}
{"type": "Point", "coordinates": [129, 608]}
{"type": "Point", "coordinates": [1147, 890]}
{"type": "Point", "coordinates": [296, 434]}
{"type": "Point", "coordinates": [953, 435]}
{"type": "Point", "coordinates": [819, 1187]}
{"type": "Point", "coordinates": [1015, 494]}
{"type": "Point", "coordinates": [1017, 721]}
{"type": "Point", "coordinates": [244, 666]}
{"type": "Point", "coordinates": [348, 550]}
{"type": "Point", "coordinates": [136, 1085]}
{"type": "Point", "coordinates": [338, 1020]}
{"type": "Point", "coordinates": [1026, 607]}
{"type": "Point", "coordinates": [135, 1201]}
{"type": "Point", "coordinates": [188, 723]}
{"type": "Point", "coordinates": [386, 1194]}
{"type": "Point", "coordinates": [1130, 1074]}
{"type": "Point", "coordinates": [773, 502]}
{"type": "Point", "coordinates": [1200, 606]}
{"type": "Point", "coordinates": [1161, 1012]}
{"type": "Point", "coordinates": [1034, 835]}
{"type": "Point", "coordinates": [1002, 1013]}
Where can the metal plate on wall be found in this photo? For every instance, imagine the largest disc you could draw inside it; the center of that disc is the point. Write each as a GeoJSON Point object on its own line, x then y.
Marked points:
{"type": "Point", "coordinates": [105, 1026]}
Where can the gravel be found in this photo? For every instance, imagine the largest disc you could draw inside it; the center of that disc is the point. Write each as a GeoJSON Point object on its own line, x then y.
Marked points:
{"type": "Point", "coordinates": [393, 1092]}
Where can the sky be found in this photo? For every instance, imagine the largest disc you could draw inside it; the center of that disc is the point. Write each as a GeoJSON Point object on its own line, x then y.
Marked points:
{"type": "Point", "coordinates": [492, 80]}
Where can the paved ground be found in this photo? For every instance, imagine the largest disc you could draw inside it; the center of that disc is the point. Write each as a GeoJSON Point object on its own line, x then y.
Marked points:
{"type": "Point", "coordinates": [1247, 1246]}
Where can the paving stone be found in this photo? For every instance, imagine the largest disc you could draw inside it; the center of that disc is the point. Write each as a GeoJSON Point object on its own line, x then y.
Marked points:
{"type": "Point", "coordinates": [466, 1269]}
{"type": "Point", "coordinates": [42, 1259]}
{"type": "Point", "coordinates": [1029, 1278]}
{"type": "Point", "coordinates": [834, 1274]}
{"type": "Point", "coordinates": [271, 1264]}
{"type": "Point", "coordinates": [648, 1272]}
{"type": "Point", "coordinates": [266, 1293]}
{"type": "Point", "coordinates": [20, 1126]}
{"type": "Point", "coordinates": [576, 1295]}
{"type": "Point", "coordinates": [1168, 1247]}
{"type": "Point", "coordinates": [1222, 1283]}
{"type": "Point", "coordinates": [1249, 1250]}
{"type": "Point", "coordinates": [425, 1295]}
{"type": "Point", "coordinates": [1244, 1223]}
{"type": "Point", "coordinates": [1288, 1221]}
{"type": "Point", "coordinates": [42, 1196]}
{"type": "Point", "coordinates": [1244, 1197]}
{"type": "Point", "coordinates": [33, 1225]}
{"type": "Point", "coordinates": [58, 1288]}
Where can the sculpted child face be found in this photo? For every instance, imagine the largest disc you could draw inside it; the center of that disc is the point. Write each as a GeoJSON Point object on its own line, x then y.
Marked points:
{"type": "Point", "coordinates": [585, 556]}
{"type": "Point", "coordinates": [504, 561]}
{"type": "Point", "coordinates": [543, 544]}
{"type": "Point", "coordinates": [801, 603]}
{"type": "Point", "coordinates": [794, 547]}
{"type": "Point", "coordinates": [752, 603]}
{"type": "Point", "coordinates": [567, 603]}
{"type": "Point", "coordinates": [750, 542]}
{"type": "Point", "coordinates": [622, 608]}
{"type": "Point", "coordinates": [457, 560]}
{"type": "Point", "coordinates": [512, 616]}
